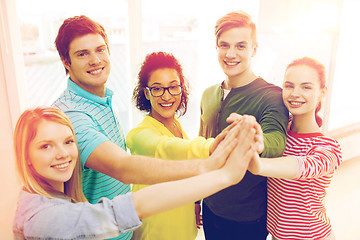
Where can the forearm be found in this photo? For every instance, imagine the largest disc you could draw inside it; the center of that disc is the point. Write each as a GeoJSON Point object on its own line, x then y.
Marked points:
{"type": "Point", "coordinates": [274, 144]}
{"type": "Point", "coordinates": [113, 161]}
{"type": "Point", "coordinates": [147, 170]}
{"type": "Point", "coordinates": [165, 196]}
{"type": "Point", "coordinates": [282, 167]}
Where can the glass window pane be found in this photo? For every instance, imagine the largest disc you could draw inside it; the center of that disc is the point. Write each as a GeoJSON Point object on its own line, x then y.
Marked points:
{"type": "Point", "coordinates": [45, 74]}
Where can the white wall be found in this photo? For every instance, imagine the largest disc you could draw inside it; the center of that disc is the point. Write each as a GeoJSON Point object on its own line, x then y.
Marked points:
{"type": "Point", "coordinates": [11, 72]}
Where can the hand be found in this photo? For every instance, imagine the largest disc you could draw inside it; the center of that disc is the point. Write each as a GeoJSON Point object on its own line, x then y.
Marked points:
{"type": "Point", "coordinates": [198, 216]}
{"type": "Point", "coordinates": [240, 157]}
{"type": "Point", "coordinates": [259, 139]}
{"type": "Point", "coordinates": [221, 136]}
{"type": "Point", "coordinates": [224, 148]}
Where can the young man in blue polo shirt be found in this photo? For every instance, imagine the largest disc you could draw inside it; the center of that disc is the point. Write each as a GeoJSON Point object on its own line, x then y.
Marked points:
{"type": "Point", "coordinates": [107, 167]}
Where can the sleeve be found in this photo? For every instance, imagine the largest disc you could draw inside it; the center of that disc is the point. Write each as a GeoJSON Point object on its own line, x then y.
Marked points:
{"type": "Point", "coordinates": [149, 142]}
{"type": "Point", "coordinates": [105, 219]}
{"type": "Point", "coordinates": [274, 120]}
{"type": "Point", "coordinates": [319, 161]}
{"type": "Point", "coordinates": [87, 135]}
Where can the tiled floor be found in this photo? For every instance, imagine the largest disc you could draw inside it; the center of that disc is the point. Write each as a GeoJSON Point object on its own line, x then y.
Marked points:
{"type": "Point", "coordinates": [342, 201]}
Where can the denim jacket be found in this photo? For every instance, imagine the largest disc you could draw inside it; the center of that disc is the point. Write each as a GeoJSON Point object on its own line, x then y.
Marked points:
{"type": "Point", "coordinates": [38, 217]}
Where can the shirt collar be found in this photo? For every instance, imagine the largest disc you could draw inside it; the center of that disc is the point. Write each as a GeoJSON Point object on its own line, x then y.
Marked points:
{"type": "Point", "coordinates": [73, 87]}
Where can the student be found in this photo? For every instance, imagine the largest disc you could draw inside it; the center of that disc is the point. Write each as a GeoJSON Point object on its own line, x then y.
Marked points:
{"type": "Point", "coordinates": [298, 181]}
{"type": "Point", "coordinates": [107, 168]}
{"type": "Point", "coordinates": [52, 205]}
{"type": "Point", "coordinates": [162, 92]}
{"type": "Point", "coordinates": [239, 212]}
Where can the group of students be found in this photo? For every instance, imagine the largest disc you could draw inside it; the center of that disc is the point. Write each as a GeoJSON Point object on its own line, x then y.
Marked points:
{"type": "Point", "coordinates": [255, 171]}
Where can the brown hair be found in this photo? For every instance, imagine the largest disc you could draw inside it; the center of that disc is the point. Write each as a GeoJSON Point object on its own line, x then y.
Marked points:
{"type": "Point", "coordinates": [152, 62]}
{"type": "Point", "coordinates": [234, 20]}
{"type": "Point", "coordinates": [72, 28]}
{"type": "Point", "coordinates": [320, 69]}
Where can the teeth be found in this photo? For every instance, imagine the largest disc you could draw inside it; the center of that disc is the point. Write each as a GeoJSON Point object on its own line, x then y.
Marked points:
{"type": "Point", "coordinates": [231, 63]}
{"type": "Point", "coordinates": [96, 71]}
{"type": "Point", "coordinates": [166, 105]}
{"type": "Point", "coordinates": [296, 103]}
{"type": "Point", "coordinates": [62, 165]}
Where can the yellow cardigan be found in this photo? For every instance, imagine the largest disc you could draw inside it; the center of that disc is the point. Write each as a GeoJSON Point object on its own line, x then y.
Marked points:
{"type": "Point", "coordinates": [152, 138]}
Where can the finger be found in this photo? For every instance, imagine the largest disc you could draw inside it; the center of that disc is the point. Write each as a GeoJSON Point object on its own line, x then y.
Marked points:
{"type": "Point", "coordinates": [233, 117]}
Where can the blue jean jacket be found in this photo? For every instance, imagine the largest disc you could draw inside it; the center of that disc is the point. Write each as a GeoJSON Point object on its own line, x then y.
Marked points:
{"type": "Point", "coordinates": [38, 217]}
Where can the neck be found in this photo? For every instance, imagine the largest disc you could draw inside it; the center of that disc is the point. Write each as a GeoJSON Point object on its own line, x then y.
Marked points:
{"type": "Point", "coordinates": [169, 123]}
{"type": "Point", "coordinates": [304, 124]}
{"type": "Point", "coordinates": [240, 80]}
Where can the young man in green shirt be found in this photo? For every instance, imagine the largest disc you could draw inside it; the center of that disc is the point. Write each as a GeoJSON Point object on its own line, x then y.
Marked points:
{"type": "Point", "coordinates": [239, 212]}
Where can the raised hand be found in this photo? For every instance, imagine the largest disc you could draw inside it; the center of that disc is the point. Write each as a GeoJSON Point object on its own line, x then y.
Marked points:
{"type": "Point", "coordinates": [240, 157]}
{"type": "Point", "coordinates": [224, 148]}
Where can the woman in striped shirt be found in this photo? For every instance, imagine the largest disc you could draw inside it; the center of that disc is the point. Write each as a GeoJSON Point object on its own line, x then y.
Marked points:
{"type": "Point", "coordinates": [297, 181]}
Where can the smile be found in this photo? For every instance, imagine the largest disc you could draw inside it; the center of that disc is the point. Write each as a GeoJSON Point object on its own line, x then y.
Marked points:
{"type": "Point", "coordinates": [62, 165]}
{"type": "Point", "coordinates": [166, 104]}
{"type": "Point", "coordinates": [231, 63]}
{"type": "Point", "coordinates": [295, 103]}
{"type": "Point", "coordinates": [95, 71]}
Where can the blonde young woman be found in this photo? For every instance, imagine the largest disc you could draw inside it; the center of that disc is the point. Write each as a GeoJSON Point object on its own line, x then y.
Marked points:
{"type": "Point", "coordinates": [298, 181]}
{"type": "Point", "coordinates": [52, 205]}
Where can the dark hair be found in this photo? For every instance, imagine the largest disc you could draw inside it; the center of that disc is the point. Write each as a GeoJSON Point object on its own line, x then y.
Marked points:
{"type": "Point", "coordinates": [76, 27]}
{"type": "Point", "coordinates": [320, 69]}
{"type": "Point", "coordinates": [234, 20]}
{"type": "Point", "coordinates": [152, 62]}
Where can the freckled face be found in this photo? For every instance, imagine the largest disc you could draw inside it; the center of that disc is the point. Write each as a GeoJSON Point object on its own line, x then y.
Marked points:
{"type": "Point", "coordinates": [301, 90]}
{"type": "Point", "coordinates": [53, 153]}
{"type": "Point", "coordinates": [165, 106]}
{"type": "Point", "coordinates": [90, 63]}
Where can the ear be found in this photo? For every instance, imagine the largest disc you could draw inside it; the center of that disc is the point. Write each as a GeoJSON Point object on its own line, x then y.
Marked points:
{"type": "Point", "coordinates": [255, 47]}
{"type": "Point", "coordinates": [146, 92]}
{"type": "Point", "coordinates": [323, 93]}
{"type": "Point", "coordinates": [66, 64]}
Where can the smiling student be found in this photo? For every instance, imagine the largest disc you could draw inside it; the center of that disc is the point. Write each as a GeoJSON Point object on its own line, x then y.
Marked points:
{"type": "Point", "coordinates": [239, 212]}
{"type": "Point", "coordinates": [162, 92]}
{"type": "Point", "coordinates": [108, 170]}
{"type": "Point", "coordinates": [298, 181]}
{"type": "Point", "coordinates": [52, 205]}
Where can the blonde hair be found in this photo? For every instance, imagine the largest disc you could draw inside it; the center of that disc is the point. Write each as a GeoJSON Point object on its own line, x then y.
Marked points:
{"type": "Point", "coordinates": [25, 132]}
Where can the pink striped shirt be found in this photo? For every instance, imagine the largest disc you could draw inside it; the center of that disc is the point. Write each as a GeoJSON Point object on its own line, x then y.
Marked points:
{"type": "Point", "coordinates": [296, 207]}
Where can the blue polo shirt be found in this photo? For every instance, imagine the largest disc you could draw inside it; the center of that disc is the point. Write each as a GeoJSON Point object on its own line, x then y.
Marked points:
{"type": "Point", "coordinates": [94, 122]}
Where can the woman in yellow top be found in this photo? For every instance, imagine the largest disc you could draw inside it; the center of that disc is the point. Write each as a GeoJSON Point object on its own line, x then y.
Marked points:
{"type": "Point", "coordinates": [162, 91]}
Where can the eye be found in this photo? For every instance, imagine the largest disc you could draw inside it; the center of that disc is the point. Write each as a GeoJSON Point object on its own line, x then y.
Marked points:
{"type": "Point", "coordinates": [287, 86]}
{"type": "Point", "coordinates": [45, 146]}
{"type": "Point", "coordinates": [82, 54]}
{"type": "Point", "coordinates": [241, 46]}
{"type": "Point", "coordinates": [156, 89]}
{"type": "Point", "coordinates": [101, 50]}
{"type": "Point", "coordinates": [223, 45]}
{"type": "Point", "coordinates": [71, 141]}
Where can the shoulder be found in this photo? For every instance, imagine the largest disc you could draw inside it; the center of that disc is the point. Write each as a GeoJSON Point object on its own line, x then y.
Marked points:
{"type": "Point", "coordinates": [147, 129]}
{"type": "Point", "coordinates": [212, 89]}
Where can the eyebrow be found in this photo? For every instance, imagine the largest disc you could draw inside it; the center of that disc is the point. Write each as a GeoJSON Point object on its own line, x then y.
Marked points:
{"type": "Point", "coordinates": [241, 42]}
{"type": "Point", "coordinates": [87, 50]}
{"type": "Point", "coordinates": [173, 81]}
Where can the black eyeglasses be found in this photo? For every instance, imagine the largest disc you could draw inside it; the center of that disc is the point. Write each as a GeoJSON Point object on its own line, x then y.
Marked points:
{"type": "Point", "coordinates": [159, 91]}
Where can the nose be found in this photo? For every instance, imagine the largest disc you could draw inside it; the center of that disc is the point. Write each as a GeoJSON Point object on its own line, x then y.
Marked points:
{"type": "Point", "coordinates": [95, 59]}
{"type": "Point", "coordinates": [231, 53]}
{"type": "Point", "coordinates": [295, 92]}
{"type": "Point", "coordinates": [166, 94]}
{"type": "Point", "coordinates": [61, 152]}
